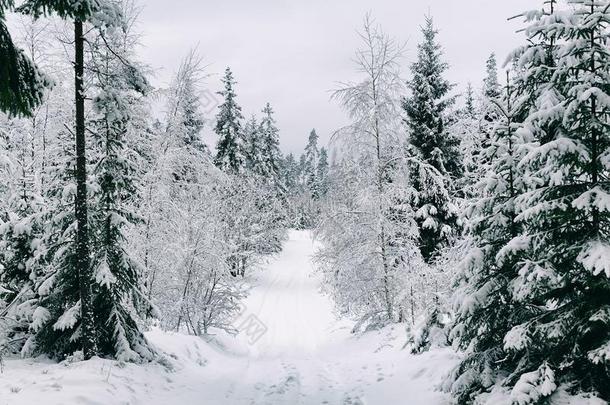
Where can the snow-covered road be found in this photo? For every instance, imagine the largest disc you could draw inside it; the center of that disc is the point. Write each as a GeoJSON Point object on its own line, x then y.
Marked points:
{"type": "Point", "coordinates": [286, 299]}
{"type": "Point", "coordinates": [305, 357]}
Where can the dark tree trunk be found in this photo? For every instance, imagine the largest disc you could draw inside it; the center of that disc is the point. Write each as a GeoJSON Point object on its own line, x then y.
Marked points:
{"type": "Point", "coordinates": [88, 338]}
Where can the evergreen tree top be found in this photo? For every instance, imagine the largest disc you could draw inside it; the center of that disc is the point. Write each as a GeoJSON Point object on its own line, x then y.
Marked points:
{"type": "Point", "coordinates": [490, 83]}
{"type": "Point", "coordinates": [270, 132]}
{"type": "Point", "coordinates": [230, 146]}
{"type": "Point", "coordinates": [229, 82]}
{"type": "Point", "coordinates": [312, 143]}
{"type": "Point", "coordinates": [469, 106]}
{"type": "Point", "coordinates": [229, 111]}
{"type": "Point", "coordinates": [430, 66]}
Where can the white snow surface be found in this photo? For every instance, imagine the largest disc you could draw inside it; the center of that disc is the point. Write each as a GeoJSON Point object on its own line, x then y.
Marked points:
{"type": "Point", "coordinates": [306, 356]}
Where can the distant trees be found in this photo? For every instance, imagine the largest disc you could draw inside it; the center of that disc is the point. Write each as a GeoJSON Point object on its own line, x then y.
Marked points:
{"type": "Point", "coordinates": [306, 183]}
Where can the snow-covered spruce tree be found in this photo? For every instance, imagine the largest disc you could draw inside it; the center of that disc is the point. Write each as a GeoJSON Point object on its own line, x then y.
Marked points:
{"type": "Point", "coordinates": [491, 85]}
{"type": "Point", "coordinates": [469, 107]}
{"type": "Point", "coordinates": [466, 125]}
{"type": "Point", "coordinates": [484, 308]}
{"type": "Point", "coordinates": [564, 276]}
{"type": "Point", "coordinates": [22, 260]}
{"type": "Point", "coordinates": [268, 165]}
{"type": "Point", "coordinates": [304, 201]}
{"type": "Point", "coordinates": [430, 141]}
{"type": "Point", "coordinates": [103, 14]}
{"type": "Point", "coordinates": [31, 149]}
{"type": "Point", "coordinates": [310, 162]}
{"type": "Point", "coordinates": [474, 125]}
{"type": "Point", "coordinates": [367, 229]}
{"type": "Point", "coordinates": [290, 173]}
{"type": "Point", "coordinates": [230, 147]}
{"type": "Point", "coordinates": [22, 84]}
{"type": "Point", "coordinates": [253, 145]}
{"type": "Point", "coordinates": [322, 168]}
{"type": "Point", "coordinates": [557, 297]}
{"type": "Point", "coordinates": [118, 299]}
{"type": "Point", "coordinates": [487, 111]}
{"type": "Point", "coordinates": [294, 192]}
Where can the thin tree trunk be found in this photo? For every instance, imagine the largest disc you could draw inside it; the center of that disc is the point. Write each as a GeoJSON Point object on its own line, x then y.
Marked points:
{"type": "Point", "coordinates": [594, 136]}
{"type": "Point", "coordinates": [380, 188]}
{"type": "Point", "coordinates": [88, 339]}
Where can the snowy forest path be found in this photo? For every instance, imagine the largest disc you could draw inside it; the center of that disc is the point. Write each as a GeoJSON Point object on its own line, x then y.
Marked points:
{"type": "Point", "coordinates": [308, 356]}
{"type": "Point", "coordinates": [305, 357]}
{"type": "Point", "coordinates": [287, 300]}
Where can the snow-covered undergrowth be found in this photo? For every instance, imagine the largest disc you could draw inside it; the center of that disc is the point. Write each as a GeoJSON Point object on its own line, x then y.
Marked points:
{"type": "Point", "coordinates": [306, 356]}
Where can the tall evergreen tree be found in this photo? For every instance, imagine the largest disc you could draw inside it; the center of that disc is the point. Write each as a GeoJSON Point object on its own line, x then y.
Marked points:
{"type": "Point", "coordinates": [427, 105]}
{"type": "Point", "coordinates": [491, 86]}
{"type": "Point", "coordinates": [230, 147]}
{"type": "Point", "coordinates": [253, 144]}
{"type": "Point", "coordinates": [119, 301]}
{"type": "Point", "coordinates": [469, 107]}
{"type": "Point", "coordinates": [564, 277]}
{"type": "Point", "coordinates": [483, 297]}
{"type": "Point", "coordinates": [553, 327]}
{"type": "Point", "coordinates": [322, 169]}
{"type": "Point", "coordinates": [106, 13]}
{"type": "Point", "coordinates": [269, 165]}
{"type": "Point", "coordinates": [430, 141]}
{"type": "Point", "coordinates": [291, 173]}
{"type": "Point", "coordinates": [310, 162]}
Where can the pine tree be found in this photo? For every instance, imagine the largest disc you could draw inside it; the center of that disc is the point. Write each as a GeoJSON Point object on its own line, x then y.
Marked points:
{"type": "Point", "coordinates": [22, 263]}
{"type": "Point", "coordinates": [230, 147]}
{"type": "Point", "coordinates": [488, 110]}
{"type": "Point", "coordinates": [467, 126]}
{"type": "Point", "coordinates": [290, 173]}
{"type": "Point", "coordinates": [429, 140]}
{"type": "Point", "coordinates": [427, 105]}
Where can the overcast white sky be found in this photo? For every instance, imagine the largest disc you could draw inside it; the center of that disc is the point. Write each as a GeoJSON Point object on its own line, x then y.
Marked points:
{"type": "Point", "coordinates": [292, 53]}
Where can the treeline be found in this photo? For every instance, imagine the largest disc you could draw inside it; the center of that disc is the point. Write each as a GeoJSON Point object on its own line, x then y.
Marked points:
{"type": "Point", "coordinates": [483, 224]}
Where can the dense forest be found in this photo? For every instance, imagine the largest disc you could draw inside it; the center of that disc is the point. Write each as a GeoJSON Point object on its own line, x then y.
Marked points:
{"type": "Point", "coordinates": [477, 220]}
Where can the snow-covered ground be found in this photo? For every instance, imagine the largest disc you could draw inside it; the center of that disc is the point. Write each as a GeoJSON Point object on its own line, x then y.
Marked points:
{"type": "Point", "coordinates": [304, 356]}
